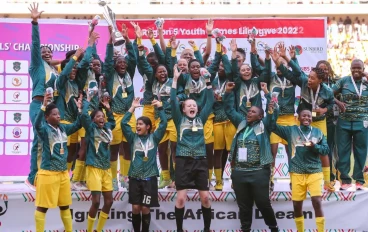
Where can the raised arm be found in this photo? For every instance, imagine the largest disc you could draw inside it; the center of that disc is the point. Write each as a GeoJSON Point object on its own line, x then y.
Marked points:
{"type": "Point", "coordinates": [125, 127]}
{"type": "Point", "coordinates": [197, 53]}
{"type": "Point", "coordinates": [36, 59]}
{"type": "Point", "coordinates": [110, 124]}
{"type": "Point", "coordinates": [235, 117]}
{"type": "Point", "coordinates": [85, 117]}
{"type": "Point", "coordinates": [207, 52]}
{"type": "Point", "coordinates": [175, 107]}
{"type": "Point", "coordinates": [214, 67]}
{"type": "Point", "coordinates": [75, 126]}
{"type": "Point", "coordinates": [144, 66]}
{"type": "Point", "coordinates": [210, 99]}
{"type": "Point", "coordinates": [64, 75]}
{"type": "Point", "coordinates": [41, 115]}
{"type": "Point", "coordinates": [160, 131]}
{"type": "Point", "coordinates": [156, 48]}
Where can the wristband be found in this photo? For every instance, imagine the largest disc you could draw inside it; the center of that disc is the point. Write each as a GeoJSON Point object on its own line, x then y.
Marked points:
{"type": "Point", "coordinates": [75, 58]}
{"type": "Point", "coordinates": [139, 41]}
{"type": "Point", "coordinates": [209, 35]}
{"type": "Point", "coordinates": [218, 47]}
{"type": "Point", "coordinates": [153, 41]}
{"type": "Point", "coordinates": [195, 48]}
{"type": "Point", "coordinates": [173, 52]}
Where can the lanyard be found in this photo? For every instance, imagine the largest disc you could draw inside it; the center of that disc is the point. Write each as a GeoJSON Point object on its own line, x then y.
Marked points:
{"type": "Point", "coordinates": [356, 88]}
{"type": "Point", "coordinates": [308, 136]}
{"type": "Point", "coordinates": [158, 89]}
{"type": "Point", "coordinates": [247, 132]}
{"type": "Point", "coordinates": [221, 86]}
{"type": "Point", "coordinates": [314, 97]}
{"type": "Point", "coordinates": [145, 147]}
{"type": "Point", "coordinates": [282, 84]}
{"type": "Point", "coordinates": [60, 137]}
{"type": "Point", "coordinates": [247, 91]}
{"type": "Point", "coordinates": [121, 81]}
{"type": "Point", "coordinates": [107, 135]}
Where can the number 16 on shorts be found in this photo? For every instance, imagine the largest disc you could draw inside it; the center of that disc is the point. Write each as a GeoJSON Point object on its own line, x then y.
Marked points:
{"type": "Point", "coordinates": [146, 200]}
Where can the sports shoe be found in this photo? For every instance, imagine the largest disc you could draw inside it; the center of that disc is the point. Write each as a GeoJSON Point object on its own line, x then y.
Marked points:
{"type": "Point", "coordinates": [124, 182]}
{"type": "Point", "coordinates": [359, 186]}
{"type": "Point", "coordinates": [163, 183]}
{"type": "Point", "coordinates": [115, 184]}
{"type": "Point", "coordinates": [31, 186]}
{"type": "Point", "coordinates": [219, 185]}
{"type": "Point", "coordinates": [345, 186]}
{"type": "Point", "coordinates": [78, 186]}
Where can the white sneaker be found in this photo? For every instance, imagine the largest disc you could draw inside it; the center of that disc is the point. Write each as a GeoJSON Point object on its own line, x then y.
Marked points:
{"type": "Point", "coordinates": [78, 186]}
{"type": "Point", "coordinates": [32, 187]}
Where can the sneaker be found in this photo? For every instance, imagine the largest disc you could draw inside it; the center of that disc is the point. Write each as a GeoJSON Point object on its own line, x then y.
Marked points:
{"type": "Point", "coordinates": [219, 185]}
{"type": "Point", "coordinates": [163, 183]}
{"type": "Point", "coordinates": [78, 186]}
{"type": "Point", "coordinates": [359, 186]}
{"type": "Point", "coordinates": [124, 182]}
{"type": "Point", "coordinates": [31, 186]}
{"type": "Point", "coordinates": [345, 186]}
{"type": "Point", "coordinates": [211, 188]}
{"type": "Point", "coordinates": [115, 184]}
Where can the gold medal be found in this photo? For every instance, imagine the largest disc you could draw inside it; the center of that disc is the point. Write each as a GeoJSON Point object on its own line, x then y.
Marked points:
{"type": "Point", "coordinates": [194, 129]}
{"type": "Point", "coordinates": [314, 114]}
{"type": "Point", "coordinates": [124, 95]}
{"type": "Point", "coordinates": [61, 151]}
{"type": "Point", "coordinates": [308, 144]}
{"type": "Point", "coordinates": [145, 158]}
{"type": "Point", "coordinates": [249, 104]}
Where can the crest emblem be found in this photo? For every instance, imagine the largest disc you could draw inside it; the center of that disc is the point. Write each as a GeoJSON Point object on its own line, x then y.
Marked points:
{"type": "Point", "coordinates": [16, 66]}
{"type": "Point", "coordinates": [17, 117]}
{"type": "Point", "coordinates": [17, 81]}
{"type": "Point", "coordinates": [17, 132]}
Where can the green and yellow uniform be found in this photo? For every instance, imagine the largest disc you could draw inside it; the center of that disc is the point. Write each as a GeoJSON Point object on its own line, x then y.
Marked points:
{"type": "Point", "coordinates": [52, 181]}
{"type": "Point", "coordinates": [322, 98]}
{"type": "Point", "coordinates": [120, 89]}
{"type": "Point", "coordinates": [251, 160]}
{"type": "Point", "coordinates": [98, 141]}
{"type": "Point", "coordinates": [43, 76]}
{"type": "Point", "coordinates": [352, 126]}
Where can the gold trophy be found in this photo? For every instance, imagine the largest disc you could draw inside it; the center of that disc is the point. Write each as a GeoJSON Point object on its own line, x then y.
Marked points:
{"type": "Point", "coordinates": [109, 15]}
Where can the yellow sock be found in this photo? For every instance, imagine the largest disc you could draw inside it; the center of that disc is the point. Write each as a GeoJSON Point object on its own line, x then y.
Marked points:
{"type": "Point", "coordinates": [299, 222]}
{"type": "Point", "coordinates": [69, 165]}
{"type": "Point", "coordinates": [320, 222]}
{"type": "Point", "coordinates": [121, 163]}
{"type": "Point", "coordinates": [114, 169]}
{"type": "Point", "coordinates": [101, 221]}
{"type": "Point", "coordinates": [210, 174]}
{"type": "Point", "coordinates": [66, 217]}
{"type": "Point", "coordinates": [272, 172]}
{"type": "Point", "coordinates": [83, 173]}
{"type": "Point", "coordinates": [77, 173]}
{"type": "Point", "coordinates": [126, 165]}
{"type": "Point", "coordinates": [174, 166]}
{"type": "Point", "coordinates": [165, 174]}
{"type": "Point", "coordinates": [218, 173]}
{"type": "Point", "coordinates": [40, 221]}
{"type": "Point", "coordinates": [90, 223]}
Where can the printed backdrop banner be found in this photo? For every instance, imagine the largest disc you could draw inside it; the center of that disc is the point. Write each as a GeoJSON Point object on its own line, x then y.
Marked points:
{"type": "Point", "coordinates": [17, 210]}
{"type": "Point", "coordinates": [16, 133]}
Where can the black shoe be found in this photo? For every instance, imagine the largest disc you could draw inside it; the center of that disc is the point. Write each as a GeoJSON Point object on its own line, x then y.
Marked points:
{"type": "Point", "coordinates": [272, 185]}
{"type": "Point", "coordinates": [206, 230]}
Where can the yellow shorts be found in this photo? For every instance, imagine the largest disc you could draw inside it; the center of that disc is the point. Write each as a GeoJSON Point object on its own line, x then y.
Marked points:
{"type": "Point", "coordinates": [117, 133]}
{"type": "Point", "coordinates": [208, 130]}
{"type": "Point", "coordinates": [301, 183]}
{"type": "Point", "coordinates": [74, 138]}
{"type": "Point", "coordinates": [149, 111]}
{"type": "Point", "coordinates": [283, 120]}
{"type": "Point", "coordinates": [170, 133]}
{"type": "Point", "coordinates": [52, 189]}
{"type": "Point", "coordinates": [98, 180]}
{"type": "Point", "coordinates": [320, 125]}
{"type": "Point", "coordinates": [223, 135]}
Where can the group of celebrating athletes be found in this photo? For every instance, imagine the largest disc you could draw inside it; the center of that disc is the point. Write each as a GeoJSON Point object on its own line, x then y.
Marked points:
{"type": "Point", "coordinates": [196, 111]}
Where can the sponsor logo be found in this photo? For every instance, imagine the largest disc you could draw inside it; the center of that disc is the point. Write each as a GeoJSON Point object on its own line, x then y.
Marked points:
{"type": "Point", "coordinates": [202, 47]}
{"type": "Point", "coordinates": [16, 81]}
{"type": "Point", "coordinates": [16, 96]}
{"type": "Point", "coordinates": [16, 148]}
{"type": "Point", "coordinates": [298, 50]}
{"type": "Point", "coordinates": [17, 132]}
{"type": "Point", "coordinates": [17, 117]}
{"type": "Point", "coordinates": [306, 69]}
{"type": "Point", "coordinates": [16, 66]}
